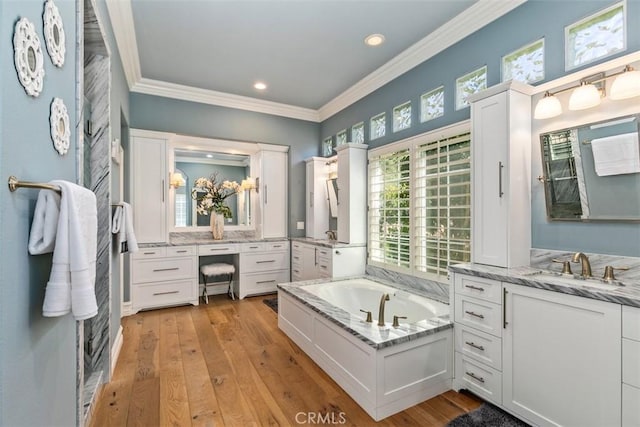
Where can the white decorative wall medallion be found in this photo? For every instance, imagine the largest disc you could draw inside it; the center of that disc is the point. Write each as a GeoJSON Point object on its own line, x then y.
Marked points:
{"type": "Point", "coordinates": [54, 33]}
{"type": "Point", "coordinates": [60, 130]}
{"type": "Point", "coordinates": [28, 57]}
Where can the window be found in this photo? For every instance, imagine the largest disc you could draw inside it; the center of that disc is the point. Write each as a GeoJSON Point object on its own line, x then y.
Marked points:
{"type": "Point", "coordinates": [327, 146]}
{"type": "Point", "coordinates": [341, 138]}
{"type": "Point", "coordinates": [469, 84]}
{"type": "Point", "coordinates": [181, 210]}
{"type": "Point", "coordinates": [597, 36]}
{"type": "Point", "coordinates": [402, 117]}
{"type": "Point", "coordinates": [357, 133]}
{"type": "Point", "coordinates": [432, 104]}
{"type": "Point", "coordinates": [420, 203]}
{"type": "Point", "coordinates": [525, 64]}
{"type": "Point", "coordinates": [378, 126]}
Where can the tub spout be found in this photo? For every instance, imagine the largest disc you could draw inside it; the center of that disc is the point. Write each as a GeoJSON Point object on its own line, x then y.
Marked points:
{"type": "Point", "coordinates": [384, 299]}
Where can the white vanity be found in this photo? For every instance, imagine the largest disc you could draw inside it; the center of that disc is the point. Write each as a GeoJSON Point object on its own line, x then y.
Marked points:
{"type": "Point", "coordinates": [174, 238]}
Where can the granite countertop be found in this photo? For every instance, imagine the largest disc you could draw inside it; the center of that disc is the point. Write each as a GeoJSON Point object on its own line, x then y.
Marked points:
{"type": "Point", "coordinates": [370, 333]}
{"type": "Point", "coordinates": [204, 238]}
{"type": "Point", "coordinates": [326, 243]}
{"type": "Point", "coordinates": [629, 294]}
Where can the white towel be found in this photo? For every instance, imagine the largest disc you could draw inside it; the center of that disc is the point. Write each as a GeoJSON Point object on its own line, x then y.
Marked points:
{"type": "Point", "coordinates": [71, 286]}
{"type": "Point", "coordinates": [616, 155]}
{"type": "Point", "coordinates": [123, 226]}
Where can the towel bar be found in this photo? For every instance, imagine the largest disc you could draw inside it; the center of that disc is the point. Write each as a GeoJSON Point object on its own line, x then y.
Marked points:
{"type": "Point", "coordinates": [14, 184]}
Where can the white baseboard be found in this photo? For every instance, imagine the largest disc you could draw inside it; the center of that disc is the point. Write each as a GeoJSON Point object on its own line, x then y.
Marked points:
{"type": "Point", "coordinates": [115, 351]}
{"type": "Point", "coordinates": [127, 310]}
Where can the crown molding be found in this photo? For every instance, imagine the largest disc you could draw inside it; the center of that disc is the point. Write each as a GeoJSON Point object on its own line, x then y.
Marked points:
{"type": "Point", "coordinates": [469, 21]}
{"type": "Point", "coordinates": [211, 97]}
{"type": "Point", "coordinates": [472, 19]}
{"type": "Point", "coordinates": [121, 16]}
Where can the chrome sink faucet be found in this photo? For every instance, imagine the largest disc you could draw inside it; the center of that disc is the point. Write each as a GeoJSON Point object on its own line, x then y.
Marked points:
{"type": "Point", "coordinates": [384, 299]}
{"type": "Point", "coordinates": [586, 265]}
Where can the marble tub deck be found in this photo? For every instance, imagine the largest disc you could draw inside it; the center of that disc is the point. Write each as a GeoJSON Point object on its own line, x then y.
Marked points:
{"type": "Point", "coordinates": [375, 336]}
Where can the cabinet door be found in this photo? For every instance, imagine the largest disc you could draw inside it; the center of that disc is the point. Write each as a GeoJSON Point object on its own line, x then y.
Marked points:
{"type": "Point", "coordinates": [274, 194]}
{"type": "Point", "coordinates": [489, 186]}
{"type": "Point", "coordinates": [309, 262]}
{"type": "Point", "coordinates": [561, 358]}
{"type": "Point", "coordinates": [148, 189]}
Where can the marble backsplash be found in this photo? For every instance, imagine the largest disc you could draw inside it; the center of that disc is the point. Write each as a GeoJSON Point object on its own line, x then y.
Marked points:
{"type": "Point", "coordinates": [436, 290]}
{"type": "Point", "coordinates": [543, 259]}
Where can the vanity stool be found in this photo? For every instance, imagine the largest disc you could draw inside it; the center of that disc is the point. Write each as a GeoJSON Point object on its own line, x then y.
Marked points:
{"type": "Point", "coordinates": [217, 269]}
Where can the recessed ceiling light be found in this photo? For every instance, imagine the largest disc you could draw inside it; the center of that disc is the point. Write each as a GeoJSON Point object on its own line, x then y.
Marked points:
{"type": "Point", "coordinates": [210, 156]}
{"type": "Point", "coordinates": [374, 40]}
{"type": "Point", "coordinates": [260, 85]}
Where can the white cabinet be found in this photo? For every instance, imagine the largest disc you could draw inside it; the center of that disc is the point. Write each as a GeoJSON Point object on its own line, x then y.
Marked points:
{"type": "Point", "coordinates": [272, 193]}
{"type": "Point", "coordinates": [561, 358]}
{"type": "Point", "coordinates": [148, 188]}
{"type": "Point", "coordinates": [630, 366]}
{"type": "Point", "coordinates": [163, 276]}
{"type": "Point", "coordinates": [262, 266]}
{"type": "Point", "coordinates": [501, 169]}
{"type": "Point", "coordinates": [317, 218]}
{"type": "Point", "coordinates": [352, 193]}
{"type": "Point", "coordinates": [309, 261]}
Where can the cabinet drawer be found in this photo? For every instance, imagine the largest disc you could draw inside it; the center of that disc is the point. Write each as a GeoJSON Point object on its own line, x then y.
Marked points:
{"type": "Point", "coordinates": [252, 247]}
{"type": "Point", "coordinates": [259, 283]}
{"type": "Point", "coordinates": [277, 246]}
{"type": "Point", "coordinates": [158, 295]}
{"type": "Point", "coordinates": [296, 246]}
{"type": "Point", "coordinates": [181, 250]}
{"type": "Point", "coordinates": [160, 270]}
{"type": "Point", "coordinates": [296, 274]}
{"type": "Point", "coordinates": [145, 253]}
{"type": "Point", "coordinates": [478, 287]}
{"type": "Point", "coordinates": [218, 249]}
{"type": "Point", "coordinates": [266, 261]}
{"type": "Point", "coordinates": [479, 314]}
{"type": "Point", "coordinates": [479, 346]}
{"type": "Point", "coordinates": [480, 379]}
{"type": "Point", "coordinates": [324, 252]}
{"type": "Point", "coordinates": [296, 259]}
{"type": "Point", "coordinates": [631, 322]}
{"type": "Point", "coordinates": [630, 406]}
{"type": "Point", "coordinates": [631, 362]}
{"type": "Point", "coordinates": [324, 267]}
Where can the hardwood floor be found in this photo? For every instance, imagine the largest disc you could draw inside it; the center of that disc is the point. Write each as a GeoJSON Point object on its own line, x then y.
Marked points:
{"type": "Point", "coordinates": [228, 364]}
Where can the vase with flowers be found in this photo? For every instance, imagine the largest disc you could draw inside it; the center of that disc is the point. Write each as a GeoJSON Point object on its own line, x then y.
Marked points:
{"type": "Point", "coordinates": [211, 193]}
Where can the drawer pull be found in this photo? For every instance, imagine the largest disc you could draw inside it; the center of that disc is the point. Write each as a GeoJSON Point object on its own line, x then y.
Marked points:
{"type": "Point", "coordinates": [296, 271]}
{"type": "Point", "coordinates": [218, 249]}
{"type": "Point", "coordinates": [265, 281]}
{"type": "Point", "coordinates": [296, 257]}
{"type": "Point", "coordinates": [323, 266]}
{"type": "Point", "coordinates": [475, 377]}
{"type": "Point", "coordinates": [166, 269]}
{"type": "Point", "coordinates": [165, 293]}
{"type": "Point", "coordinates": [277, 246]}
{"type": "Point", "coordinates": [471, 313]}
{"type": "Point", "coordinates": [254, 247]}
{"type": "Point", "coordinates": [149, 253]}
{"type": "Point", "coordinates": [181, 252]}
{"type": "Point", "coordinates": [475, 288]}
{"type": "Point", "coordinates": [474, 345]}
{"type": "Point", "coordinates": [265, 262]}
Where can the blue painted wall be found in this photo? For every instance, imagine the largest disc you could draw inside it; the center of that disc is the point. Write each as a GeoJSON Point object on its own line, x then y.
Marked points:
{"type": "Point", "coordinates": [37, 354]}
{"type": "Point", "coordinates": [190, 118]}
{"type": "Point", "coordinates": [527, 23]}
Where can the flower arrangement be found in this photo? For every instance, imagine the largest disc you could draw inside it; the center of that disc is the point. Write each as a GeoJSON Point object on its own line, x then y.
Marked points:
{"type": "Point", "coordinates": [211, 194]}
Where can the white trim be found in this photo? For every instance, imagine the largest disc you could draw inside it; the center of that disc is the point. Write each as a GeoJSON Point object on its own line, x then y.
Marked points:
{"type": "Point", "coordinates": [127, 309]}
{"type": "Point", "coordinates": [121, 16]}
{"type": "Point", "coordinates": [472, 19]}
{"type": "Point", "coordinates": [115, 350]}
{"type": "Point", "coordinates": [212, 97]}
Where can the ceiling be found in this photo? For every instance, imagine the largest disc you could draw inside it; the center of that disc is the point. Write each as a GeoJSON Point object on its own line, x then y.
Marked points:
{"type": "Point", "coordinates": [310, 53]}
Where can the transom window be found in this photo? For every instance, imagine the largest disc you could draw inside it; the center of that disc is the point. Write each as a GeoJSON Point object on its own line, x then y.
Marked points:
{"type": "Point", "coordinates": [420, 203]}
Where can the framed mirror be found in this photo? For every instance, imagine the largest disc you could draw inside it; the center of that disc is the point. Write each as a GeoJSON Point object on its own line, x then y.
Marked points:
{"type": "Point", "coordinates": [28, 57]}
{"type": "Point", "coordinates": [60, 129]}
{"type": "Point", "coordinates": [54, 33]}
{"type": "Point", "coordinates": [592, 172]}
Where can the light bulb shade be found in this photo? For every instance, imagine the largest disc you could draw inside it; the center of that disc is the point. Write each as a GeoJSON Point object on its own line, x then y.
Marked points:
{"type": "Point", "coordinates": [626, 85]}
{"type": "Point", "coordinates": [177, 180]}
{"type": "Point", "coordinates": [583, 97]}
{"type": "Point", "coordinates": [248, 183]}
{"type": "Point", "coordinates": [547, 107]}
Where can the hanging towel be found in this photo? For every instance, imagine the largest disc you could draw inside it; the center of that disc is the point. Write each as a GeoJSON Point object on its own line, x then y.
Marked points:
{"type": "Point", "coordinates": [123, 227]}
{"type": "Point", "coordinates": [616, 155]}
{"type": "Point", "coordinates": [71, 286]}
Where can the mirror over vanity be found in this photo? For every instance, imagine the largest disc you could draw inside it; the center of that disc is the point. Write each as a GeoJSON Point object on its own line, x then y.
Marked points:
{"type": "Point", "coordinates": [592, 172]}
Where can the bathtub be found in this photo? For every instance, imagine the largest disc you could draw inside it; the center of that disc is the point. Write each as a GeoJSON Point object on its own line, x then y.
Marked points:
{"type": "Point", "coordinates": [385, 369]}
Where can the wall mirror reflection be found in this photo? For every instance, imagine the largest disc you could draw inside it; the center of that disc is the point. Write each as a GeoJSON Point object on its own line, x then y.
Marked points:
{"type": "Point", "coordinates": [592, 172]}
{"type": "Point", "coordinates": [192, 164]}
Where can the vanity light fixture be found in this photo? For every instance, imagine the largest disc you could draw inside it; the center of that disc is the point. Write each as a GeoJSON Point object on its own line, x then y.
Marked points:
{"type": "Point", "coordinates": [248, 183]}
{"type": "Point", "coordinates": [374, 40]}
{"type": "Point", "coordinates": [587, 94]}
{"type": "Point", "coordinates": [176, 180]}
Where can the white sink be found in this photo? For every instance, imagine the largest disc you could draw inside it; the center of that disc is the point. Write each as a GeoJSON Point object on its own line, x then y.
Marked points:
{"type": "Point", "coordinates": [574, 280]}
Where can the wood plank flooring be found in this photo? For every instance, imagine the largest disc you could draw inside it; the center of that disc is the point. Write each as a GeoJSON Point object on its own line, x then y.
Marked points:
{"type": "Point", "coordinates": [228, 364]}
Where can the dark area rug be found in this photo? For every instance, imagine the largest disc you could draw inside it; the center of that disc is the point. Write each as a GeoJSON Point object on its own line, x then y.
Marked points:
{"type": "Point", "coordinates": [272, 303]}
{"type": "Point", "coordinates": [487, 415]}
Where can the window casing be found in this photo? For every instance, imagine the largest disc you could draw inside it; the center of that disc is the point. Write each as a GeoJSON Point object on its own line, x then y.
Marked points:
{"type": "Point", "coordinates": [420, 203]}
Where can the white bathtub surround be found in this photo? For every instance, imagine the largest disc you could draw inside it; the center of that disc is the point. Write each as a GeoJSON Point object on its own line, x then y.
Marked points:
{"type": "Point", "coordinates": [384, 369]}
{"type": "Point", "coordinates": [436, 290]}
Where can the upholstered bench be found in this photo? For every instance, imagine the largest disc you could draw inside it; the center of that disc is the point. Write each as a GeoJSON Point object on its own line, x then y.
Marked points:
{"type": "Point", "coordinates": [214, 270]}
